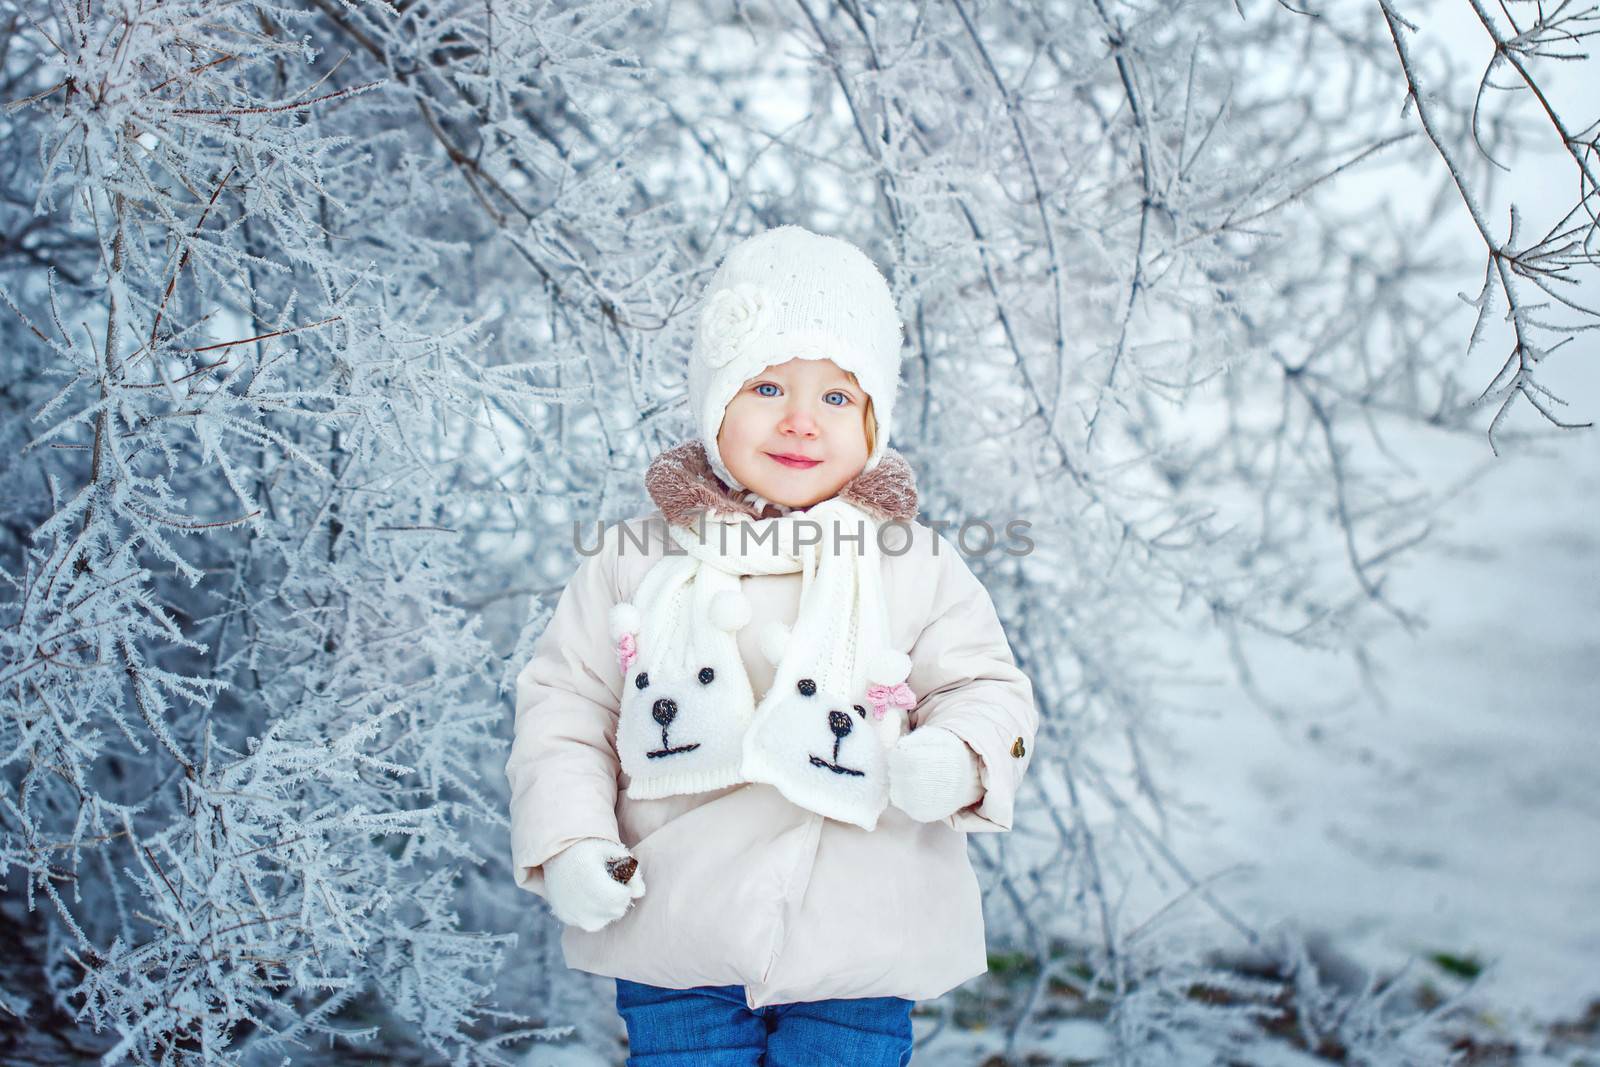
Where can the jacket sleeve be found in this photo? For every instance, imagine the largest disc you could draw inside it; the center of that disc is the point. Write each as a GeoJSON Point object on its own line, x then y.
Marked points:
{"type": "Point", "coordinates": [967, 681]}
{"type": "Point", "coordinates": [563, 767]}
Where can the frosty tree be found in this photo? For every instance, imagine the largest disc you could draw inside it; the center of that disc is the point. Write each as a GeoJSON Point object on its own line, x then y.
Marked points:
{"type": "Point", "coordinates": [244, 714]}
{"type": "Point", "coordinates": [325, 320]}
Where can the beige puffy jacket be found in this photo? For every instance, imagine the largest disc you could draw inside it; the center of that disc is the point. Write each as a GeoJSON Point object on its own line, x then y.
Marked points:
{"type": "Point", "coordinates": [744, 887]}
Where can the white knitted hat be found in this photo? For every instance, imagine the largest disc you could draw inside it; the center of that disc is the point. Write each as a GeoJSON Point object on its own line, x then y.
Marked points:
{"type": "Point", "coordinates": [788, 293]}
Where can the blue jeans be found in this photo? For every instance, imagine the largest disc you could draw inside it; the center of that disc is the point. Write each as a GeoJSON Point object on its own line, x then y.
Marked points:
{"type": "Point", "coordinates": [711, 1026]}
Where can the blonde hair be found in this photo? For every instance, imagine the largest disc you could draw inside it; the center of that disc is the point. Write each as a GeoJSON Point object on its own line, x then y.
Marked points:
{"type": "Point", "coordinates": [869, 420]}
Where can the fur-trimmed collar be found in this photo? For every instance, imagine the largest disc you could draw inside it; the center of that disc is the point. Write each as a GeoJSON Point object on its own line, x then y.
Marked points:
{"type": "Point", "coordinates": [681, 483]}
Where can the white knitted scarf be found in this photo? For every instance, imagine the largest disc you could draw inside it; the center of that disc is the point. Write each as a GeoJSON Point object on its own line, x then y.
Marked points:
{"type": "Point", "coordinates": [838, 700]}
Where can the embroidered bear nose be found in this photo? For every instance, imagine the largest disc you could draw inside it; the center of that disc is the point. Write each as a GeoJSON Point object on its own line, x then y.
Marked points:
{"type": "Point", "coordinates": [806, 686]}
{"type": "Point", "coordinates": [706, 674]}
{"type": "Point", "coordinates": [664, 711]}
{"type": "Point", "coordinates": [839, 723]}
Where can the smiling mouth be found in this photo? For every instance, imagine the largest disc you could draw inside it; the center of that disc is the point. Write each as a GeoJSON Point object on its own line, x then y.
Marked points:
{"type": "Point", "coordinates": [797, 464]}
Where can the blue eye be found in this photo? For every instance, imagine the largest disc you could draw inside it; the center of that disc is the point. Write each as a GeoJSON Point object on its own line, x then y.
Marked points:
{"type": "Point", "coordinates": [843, 394]}
{"type": "Point", "coordinates": [766, 385]}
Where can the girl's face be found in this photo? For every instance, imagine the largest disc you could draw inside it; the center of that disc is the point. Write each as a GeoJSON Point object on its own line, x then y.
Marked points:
{"type": "Point", "coordinates": [807, 409]}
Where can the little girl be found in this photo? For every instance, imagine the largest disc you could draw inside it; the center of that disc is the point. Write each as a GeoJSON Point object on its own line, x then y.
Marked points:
{"type": "Point", "coordinates": [778, 699]}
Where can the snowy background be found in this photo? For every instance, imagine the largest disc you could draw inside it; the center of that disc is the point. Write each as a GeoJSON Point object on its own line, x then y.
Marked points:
{"type": "Point", "coordinates": [321, 324]}
{"type": "Point", "coordinates": [1468, 820]}
{"type": "Point", "coordinates": [1457, 816]}
{"type": "Point", "coordinates": [1473, 825]}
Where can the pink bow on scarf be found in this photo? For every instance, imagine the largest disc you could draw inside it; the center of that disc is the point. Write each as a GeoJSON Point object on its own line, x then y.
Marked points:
{"type": "Point", "coordinates": [882, 696]}
{"type": "Point", "coordinates": [627, 651]}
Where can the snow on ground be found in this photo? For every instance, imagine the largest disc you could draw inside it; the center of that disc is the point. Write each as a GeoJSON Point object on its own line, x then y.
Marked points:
{"type": "Point", "coordinates": [1475, 829]}
{"type": "Point", "coordinates": [1464, 817]}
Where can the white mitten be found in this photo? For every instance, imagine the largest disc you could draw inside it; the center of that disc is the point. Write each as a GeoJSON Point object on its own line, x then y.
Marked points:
{"type": "Point", "coordinates": [581, 888]}
{"type": "Point", "coordinates": [933, 774]}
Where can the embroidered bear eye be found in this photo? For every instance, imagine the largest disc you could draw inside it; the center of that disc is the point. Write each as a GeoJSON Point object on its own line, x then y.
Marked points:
{"type": "Point", "coordinates": [861, 711]}
{"type": "Point", "coordinates": [706, 674]}
{"type": "Point", "coordinates": [641, 680]}
{"type": "Point", "coordinates": [807, 687]}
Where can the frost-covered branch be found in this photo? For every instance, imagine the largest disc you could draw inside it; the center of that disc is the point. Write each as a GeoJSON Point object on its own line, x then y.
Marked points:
{"type": "Point", "coordinates": [1545, 262]}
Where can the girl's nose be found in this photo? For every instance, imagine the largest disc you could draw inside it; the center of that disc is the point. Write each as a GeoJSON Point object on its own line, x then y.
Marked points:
{"type": "Point", "coordinates": [799, 420]}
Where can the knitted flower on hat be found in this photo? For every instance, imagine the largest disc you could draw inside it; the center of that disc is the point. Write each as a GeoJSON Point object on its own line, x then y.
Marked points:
{"type": "Point", "coordinates": [730, 320]}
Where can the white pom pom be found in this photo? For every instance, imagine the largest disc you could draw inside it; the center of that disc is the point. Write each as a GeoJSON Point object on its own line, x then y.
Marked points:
{"type": "Point", "coordinates": [730, 610]}
{"type": "Point", "coordinates": [624, 619]}
{"type": "Point", "coordinates": [888, 668]}
{"type": "Point", "coordinates": [773, 641]}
